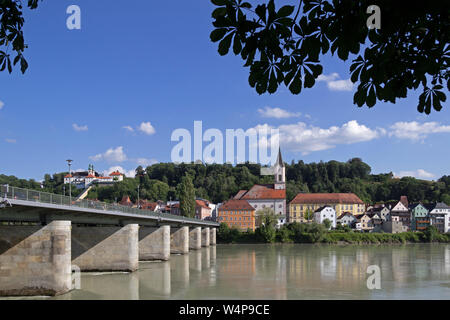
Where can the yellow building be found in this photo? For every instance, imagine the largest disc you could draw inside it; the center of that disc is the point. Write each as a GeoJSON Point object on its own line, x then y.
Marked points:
{"type": "Point", "coordinates": [306, 203]}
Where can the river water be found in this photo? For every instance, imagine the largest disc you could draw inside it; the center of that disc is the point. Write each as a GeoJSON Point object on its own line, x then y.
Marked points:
{"type": "Point", "coordinates": [282, 271]}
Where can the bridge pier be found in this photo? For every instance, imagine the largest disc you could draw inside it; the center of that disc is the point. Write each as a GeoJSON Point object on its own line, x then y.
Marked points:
{"type": "Point", "coordinates": [195, 238]}
{"type": "Point", "coordinates": [212, 237]}
{"type": "Point", "coordinates": [35, 260]}
{"type": "Point", "coordinates": [179, 240]}
{"type": "Point", "coordinates": [205, 237]}
{"type": "Point", "coordinates": [106, 248]}
{"type": "Point", "coordinates": [154, 243]}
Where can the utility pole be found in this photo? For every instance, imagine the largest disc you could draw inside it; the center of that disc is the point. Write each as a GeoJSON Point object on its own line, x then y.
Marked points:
{"type": "Point", "coordinates": [69, 162]}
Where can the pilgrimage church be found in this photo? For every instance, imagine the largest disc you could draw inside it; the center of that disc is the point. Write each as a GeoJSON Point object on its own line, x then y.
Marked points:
{"type": "Point", "coordinates": [272, 196]}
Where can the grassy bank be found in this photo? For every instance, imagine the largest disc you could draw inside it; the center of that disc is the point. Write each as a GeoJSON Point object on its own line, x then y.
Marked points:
{"type": "Point", "coordinates": [316, 233]}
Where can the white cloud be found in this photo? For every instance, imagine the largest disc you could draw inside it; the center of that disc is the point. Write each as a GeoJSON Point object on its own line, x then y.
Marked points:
{"type": "Point", "coordinates": [127, 173]}
{"type": "Point", "coordinates": [417, 131]}
{"type": "Point", "coordinates": [420, 173]}
{"type": "Point", "coordinates": [11, 140]}
{"type": "Point", "coordinates": [146, 162]}
{"type": "Point", "coordinates": [329, 77]}
{"type": "Point", "coordinates": [334, 84]}
{"type": "Point", "coordinates": [300, 137]}
{"type": "Point", "coordinates": [79, 128]}
{"type": "Point", "coordinates": [128, 128]}
{"type": "Point", "coordinates": [1, 105]}
{"type": "Point", "coordinates": [111, 155]}
{"type": "Point", "coordinates": [147, 128]}
{"type": "Point", "coordinates": [277, 113]}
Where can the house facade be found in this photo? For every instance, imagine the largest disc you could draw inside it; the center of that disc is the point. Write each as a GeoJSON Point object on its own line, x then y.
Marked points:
{"type": "Point", "coordinates": [401, 211]}
{"type": "Point", "coordinates": [346, 219]}
{"type": "Point", "coordinates": [420, 218]}
{"type": "Point", "coordinates": [237, 214]}
{"type": "Point", "coordinates": [324, 213]}
{"type": "Point", "coordinates": [364, 222]}
{"type": "Point", "coordinates": [440, 216]}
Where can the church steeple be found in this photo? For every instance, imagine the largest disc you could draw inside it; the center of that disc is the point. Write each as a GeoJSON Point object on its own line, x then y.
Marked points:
{"type": "Point", "coordinates": [279, 172]}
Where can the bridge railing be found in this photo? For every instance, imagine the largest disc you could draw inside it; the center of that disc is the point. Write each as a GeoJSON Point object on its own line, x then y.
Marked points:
{"type": "Point", "coordinates": [16, 193]}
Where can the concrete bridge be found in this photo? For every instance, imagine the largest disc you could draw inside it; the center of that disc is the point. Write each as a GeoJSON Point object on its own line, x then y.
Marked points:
{"type": "Point", "coordinates": [45, 237]}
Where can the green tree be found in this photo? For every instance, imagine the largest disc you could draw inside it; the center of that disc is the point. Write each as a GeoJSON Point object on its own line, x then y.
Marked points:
{"type": "Point", "coordinates": [285, 45]}
{"type": "Point", "coordinates": [327, 224]}
{"type": "Point", "coordinates": [186, 193]}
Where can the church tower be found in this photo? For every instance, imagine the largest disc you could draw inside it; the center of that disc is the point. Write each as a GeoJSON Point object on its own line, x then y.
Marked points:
{"type": "Point", "coordinates": [279, 173]}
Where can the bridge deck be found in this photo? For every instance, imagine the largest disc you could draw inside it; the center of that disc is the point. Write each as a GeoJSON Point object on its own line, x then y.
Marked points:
{"type": "Point", "coordinates": [34, 206]}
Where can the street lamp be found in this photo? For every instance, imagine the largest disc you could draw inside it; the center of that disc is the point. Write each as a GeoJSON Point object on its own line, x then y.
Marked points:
{"type": "Point", "coordinates": [138, 205]}
{"type": "Point", "coordinates": [69, 162]}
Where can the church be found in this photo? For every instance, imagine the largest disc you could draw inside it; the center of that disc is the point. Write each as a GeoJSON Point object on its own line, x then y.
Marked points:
{"type": "Point", "coordinates": [272, 196]}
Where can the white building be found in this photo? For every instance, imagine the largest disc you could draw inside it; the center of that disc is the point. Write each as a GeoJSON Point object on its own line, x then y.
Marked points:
{"type": "Point", "coordinates": [346, 219]}
{"type": "Point", "coordinates": [323, 213]}
{"type": "Point", "coordinates": [440, 216]}
{"type": "Point", "coordinates": [86, 178]}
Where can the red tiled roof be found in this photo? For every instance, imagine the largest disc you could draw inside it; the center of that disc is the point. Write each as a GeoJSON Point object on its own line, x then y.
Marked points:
{"type": "Point", "coordinates": [115, 173]}
{"type": "Point", "coordinates": [90, 176]}
{"type": "Point", "coordinates": [68, 176]}
{"type": "Point", "coordinates": [326, 198]}
{"type": "Point", "coordinates": [264, 192]}
{"type": "Point", "coordinates": [201, 203]}
{"type": "Point", "coordinates": [234, 204]}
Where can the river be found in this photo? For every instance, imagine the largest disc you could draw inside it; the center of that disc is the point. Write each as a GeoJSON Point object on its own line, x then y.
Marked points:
{"type": "Point", "coordinates": [281, 271]}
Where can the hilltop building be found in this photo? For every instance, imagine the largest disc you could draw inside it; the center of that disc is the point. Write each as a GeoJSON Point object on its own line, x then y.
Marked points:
{"type": "Point", "coordinates": [83, 179]}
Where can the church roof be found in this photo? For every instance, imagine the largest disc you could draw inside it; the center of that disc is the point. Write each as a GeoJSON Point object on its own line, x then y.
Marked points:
{"type": "Point", "coordinates": [280, 159]}
{"type": "Point", "coordinates": [234, 204]}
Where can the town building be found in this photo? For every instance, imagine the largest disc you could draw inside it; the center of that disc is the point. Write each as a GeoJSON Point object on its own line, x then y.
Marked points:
{"type": "Point", "coordinates": [304, 204]}
{"type": "Point", "coordinates": [202, 209]}
{"type": "Point", "coordinates": [381, 210]}
{"type": "Point", "coordinates": [346, 219]}
{"type": "Point", "coordinates": [400, 209]}
{"type": "Point", "coordinates": [364, 222]}
{"type": "Point", "coordinates": [420, 218]}
{"type": "Point", "coordinates": [324, 213]}
{"type": "Point", "coordinates": [271, 196]}
{"type": "Point", "coordinates": [393, 225]}
{"type": "Point", "coordinates": [440, 216]}
{"type": "Point", "coordinates": [237, 214]}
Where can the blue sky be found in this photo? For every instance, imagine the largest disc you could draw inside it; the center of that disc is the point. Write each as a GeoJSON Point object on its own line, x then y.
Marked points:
{"type": "Point", "coordinates": [112, 93]}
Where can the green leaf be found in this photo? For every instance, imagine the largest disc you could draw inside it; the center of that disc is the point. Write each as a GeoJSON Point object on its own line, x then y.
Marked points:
{"type": "Point", "coordinates": [219, 12]}
{"type": "Point", "coordinates": [371, 97]}
{"type": "Point", "coordinates": [219, 2]}
{"type": "Point", "coordinates": [237, 46]}
{"type": "Point", "coordinates": [296, 84]}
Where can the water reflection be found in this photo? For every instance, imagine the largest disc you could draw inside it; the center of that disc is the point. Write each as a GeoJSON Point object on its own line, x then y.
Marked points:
{"type": "Point", "coordinates": [281, 272]}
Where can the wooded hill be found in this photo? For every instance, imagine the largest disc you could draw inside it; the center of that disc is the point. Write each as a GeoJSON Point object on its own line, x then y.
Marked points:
{"type": "Point", "coordinates": [219, 182]}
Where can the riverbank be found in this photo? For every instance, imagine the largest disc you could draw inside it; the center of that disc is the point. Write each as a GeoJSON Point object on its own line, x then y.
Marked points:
{"type": "Point", "coordinates": [315, 233]}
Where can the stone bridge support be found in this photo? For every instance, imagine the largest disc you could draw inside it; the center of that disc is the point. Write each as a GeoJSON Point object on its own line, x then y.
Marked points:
{"type": "Point", "coordinates": [212, 236]}
{"type": "Point", "coordinates": [205, 237]}
{"type": "Point", "coordinates": [195, 238]}
{"type": "Point", "coordinates": [106, 248]}
{"type": "Point", "coordinates": [35, 260]}
{"type": "Point", "coordinates": [154, 243]}
{"type": "Point", "coordinates": [179, 240]}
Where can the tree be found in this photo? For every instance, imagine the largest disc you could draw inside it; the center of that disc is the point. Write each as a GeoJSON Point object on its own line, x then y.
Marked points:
{"type": "Point", "coordinates": [327, 224]}
{"type": "Point", "coordinates": [284, 46]}
{"type": "Point", "coordinates": [186, 194]}
{"type": "Point", "coordinates": [11, 33]}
